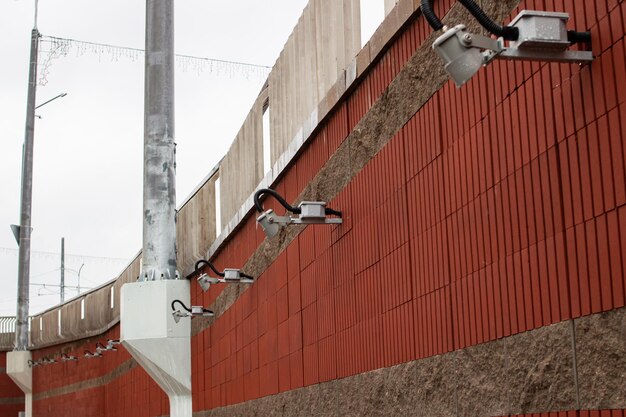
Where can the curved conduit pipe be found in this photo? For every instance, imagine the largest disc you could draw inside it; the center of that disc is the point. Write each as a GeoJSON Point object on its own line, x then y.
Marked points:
{"type": "Point", "coordinates": [210, 265]}
{"type": "Point", "coordinates": [509, 33]}
{"type": "Point", "coordinates": [287, 206]}
{"type": "Point", "coordinates": [278, 197]}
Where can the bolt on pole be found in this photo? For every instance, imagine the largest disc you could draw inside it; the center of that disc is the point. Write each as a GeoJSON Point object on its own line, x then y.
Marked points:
{"type": "Point", "coordinates": [23, 273]}
{"type": "Point", "coordinates": [159, 204]}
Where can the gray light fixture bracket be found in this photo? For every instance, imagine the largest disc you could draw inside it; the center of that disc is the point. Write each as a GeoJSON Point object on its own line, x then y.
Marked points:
{"type": "Point", "coordinates": [231, 276]}
{"type": "Point", "coordinates": [196, 311]}
{"type": "Point", "coordinates": [543, 37]}
{"type": "Point", "coordinates": [312, 212]}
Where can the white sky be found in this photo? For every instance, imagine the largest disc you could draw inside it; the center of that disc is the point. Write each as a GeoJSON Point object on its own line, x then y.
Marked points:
{"type": "Point", "coordinates": [88, 145]}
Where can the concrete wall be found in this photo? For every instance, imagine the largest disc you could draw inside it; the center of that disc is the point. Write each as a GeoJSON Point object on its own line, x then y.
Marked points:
{"type": "Point", "coordinates": [479, 269]}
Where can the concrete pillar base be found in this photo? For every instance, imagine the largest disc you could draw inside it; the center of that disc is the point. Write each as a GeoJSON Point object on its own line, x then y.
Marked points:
{"type": "Point", "coordinates": [160, 345]}
{"type": "Point", "coordinates": [22, 374]}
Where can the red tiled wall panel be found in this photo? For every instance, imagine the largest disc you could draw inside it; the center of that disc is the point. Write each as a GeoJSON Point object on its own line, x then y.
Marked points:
{"type": "Point", "coordinates": [497, 209]}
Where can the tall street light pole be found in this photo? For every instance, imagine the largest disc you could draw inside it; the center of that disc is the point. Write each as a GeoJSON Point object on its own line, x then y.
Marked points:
{"type": "Point", "coordinates": [149, 331]}
{"type": "Point", "coordinates": [23, 271]}
{"type": "Point", "coordinates": [159, 180]}
{"type": "Point", "coordinates": [24, 230]}
{"type": "Point", "coordinates": [17, 361]}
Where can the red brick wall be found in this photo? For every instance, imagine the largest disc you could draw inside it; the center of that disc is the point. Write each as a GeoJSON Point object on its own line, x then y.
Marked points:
{"type": "Point", "coordinates": [95, 392]}
{"type": "Point", "coordinates": [497, 209]}
{"type": "Point", "coordinates": [8, 391]}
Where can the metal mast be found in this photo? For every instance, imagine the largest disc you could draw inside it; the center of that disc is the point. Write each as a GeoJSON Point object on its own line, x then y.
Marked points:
{"type": "Point", "coordinates": [159, 207]}
{"type": "Point", "coordinates": [23, 274]}
{"type": "Point", "coordinates": [62, 270]}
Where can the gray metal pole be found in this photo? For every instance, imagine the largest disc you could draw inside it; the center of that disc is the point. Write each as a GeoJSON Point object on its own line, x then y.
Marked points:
{"type": "Point", "coordinates": [62, 270]}
{"type": "Point", "coordinates": [159, 226]}
{"type": "Point", "coordinates": [23, 271]}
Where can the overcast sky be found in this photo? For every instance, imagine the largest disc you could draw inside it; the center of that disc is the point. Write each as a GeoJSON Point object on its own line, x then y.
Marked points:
{"type": "Point", "coordinates": [88, 145]}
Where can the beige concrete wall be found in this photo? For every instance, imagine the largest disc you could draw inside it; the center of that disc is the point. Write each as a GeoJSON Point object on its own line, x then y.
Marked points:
{"type": "Point", "coordinates": [195, 225]}
{"type": "Point", "coordinates": [389, 5]}
{"type": "Point", "coordinates": [323, 44]}
{"type": "Point", "coordinates": [241, 170]}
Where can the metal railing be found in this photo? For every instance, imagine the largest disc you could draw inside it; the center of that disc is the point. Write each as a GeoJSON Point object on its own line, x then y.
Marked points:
{"type": "Point", "coordinates": [7, 333]}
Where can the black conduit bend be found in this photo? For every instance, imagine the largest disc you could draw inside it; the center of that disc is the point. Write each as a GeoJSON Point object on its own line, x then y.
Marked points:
{"type": "Point", "coordinates": [209, 264]}
{"type": "Point", "coordinates": [331, 212]}
{"type": "Point", "coordinates": [259, 206]}
{"type": "Point", "coordinates": [578, 37]}
{"type": "Point", "coordinates": [431, 17]}
{"type": "Point", "coordinates": [509, 33]}
{"type": "Point", "coordinates": [181, 303]}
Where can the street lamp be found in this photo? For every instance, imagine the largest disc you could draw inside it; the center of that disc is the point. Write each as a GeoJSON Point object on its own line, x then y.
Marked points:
{"type": "Point", "coordinates": [23, 231]}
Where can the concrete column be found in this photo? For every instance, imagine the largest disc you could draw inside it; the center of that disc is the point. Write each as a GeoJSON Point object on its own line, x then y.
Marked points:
{"type": "Point", "coordinates": [22, 374]}
{"type": "Point", "coordinates": [148, 331]}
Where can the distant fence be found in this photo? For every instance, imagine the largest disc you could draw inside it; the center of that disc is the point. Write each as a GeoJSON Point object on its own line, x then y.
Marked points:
{"type": "Point", "coordinates": [7, 333]}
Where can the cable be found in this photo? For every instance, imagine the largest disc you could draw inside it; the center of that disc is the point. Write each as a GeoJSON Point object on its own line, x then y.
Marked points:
{"type": "Point", "coordinates": [209, 264]}
{"type": "Point", "coordinates": [67, 255]}
{"type": "Point", "coordinates": [331, 212]}
{"type": "Point", "coordinates": [246, 276]}
{"type": "Point", "coordinates": [259, 206]}
{"type": "Point", "coordinates": [578, 37]}
{"type": "Point", "coordinates": [181, 303]}
{"type": "Point", "coordinates": [509, 33]}
{"type": "Point", "coordinates": [430, 15]}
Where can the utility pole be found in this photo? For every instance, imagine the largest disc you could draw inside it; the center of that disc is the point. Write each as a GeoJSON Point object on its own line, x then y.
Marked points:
{"type": "Point", "coordinates": [23, 274]}
{"type": "Point", "coordinates": [159, 181]}
{"type": "Point", "coordinates": [17, 361]}
{"type": "Point", "coordinates": [62, 270]}
{"type": "Point", "coordinates": [148, 329]}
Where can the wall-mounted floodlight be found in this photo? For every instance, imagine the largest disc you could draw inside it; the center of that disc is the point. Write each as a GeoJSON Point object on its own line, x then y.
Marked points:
{"type": "Point", "coordinates": [229, 276]}
{"type": "Point", "coordinates": [309, 212]}
{"type": "Point", "coordinates": [194, 311]}
{"type": "Point", "coordinates": [111, 343]}
{"type": "Point", "coordinates": [100, 348]}
{"type": "Point", "coordinates": [33, 364]}
{"type": "Point", "coordinates": [68, 358]}
{"type": "Point", "coordinates": [89, 355]}
{"type": "Point", "coordinates": [532, 36]}
{"type": "Point", "coordinates": [48, 361]}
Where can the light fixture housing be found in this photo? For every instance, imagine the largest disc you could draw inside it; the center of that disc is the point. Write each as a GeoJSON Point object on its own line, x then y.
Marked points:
{"type": "Point", "coordinates": [464, 54]}
{"type": "Point", "coordinates": [194, 311]}
{"type": "Point", "coordinates": [90, 355]}
{"type": "Point", "coordinates": [228, 276]}
{"type": "Point", "coordinates": [307, 212]}
{"type": "Point", "coordinates": [543, 36]}
{"type": "Point", "coordinates": [33, 364]}
{"type": "Point", "coordinates": [68, 358]}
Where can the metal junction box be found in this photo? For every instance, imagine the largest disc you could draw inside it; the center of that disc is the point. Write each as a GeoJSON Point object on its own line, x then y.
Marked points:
{"type": "Point", "coordinates": [312, 210]}
{"type": "Point", "coordinates": [543, 30]}
{"type": "Point", "coordinates": [231, 274]}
